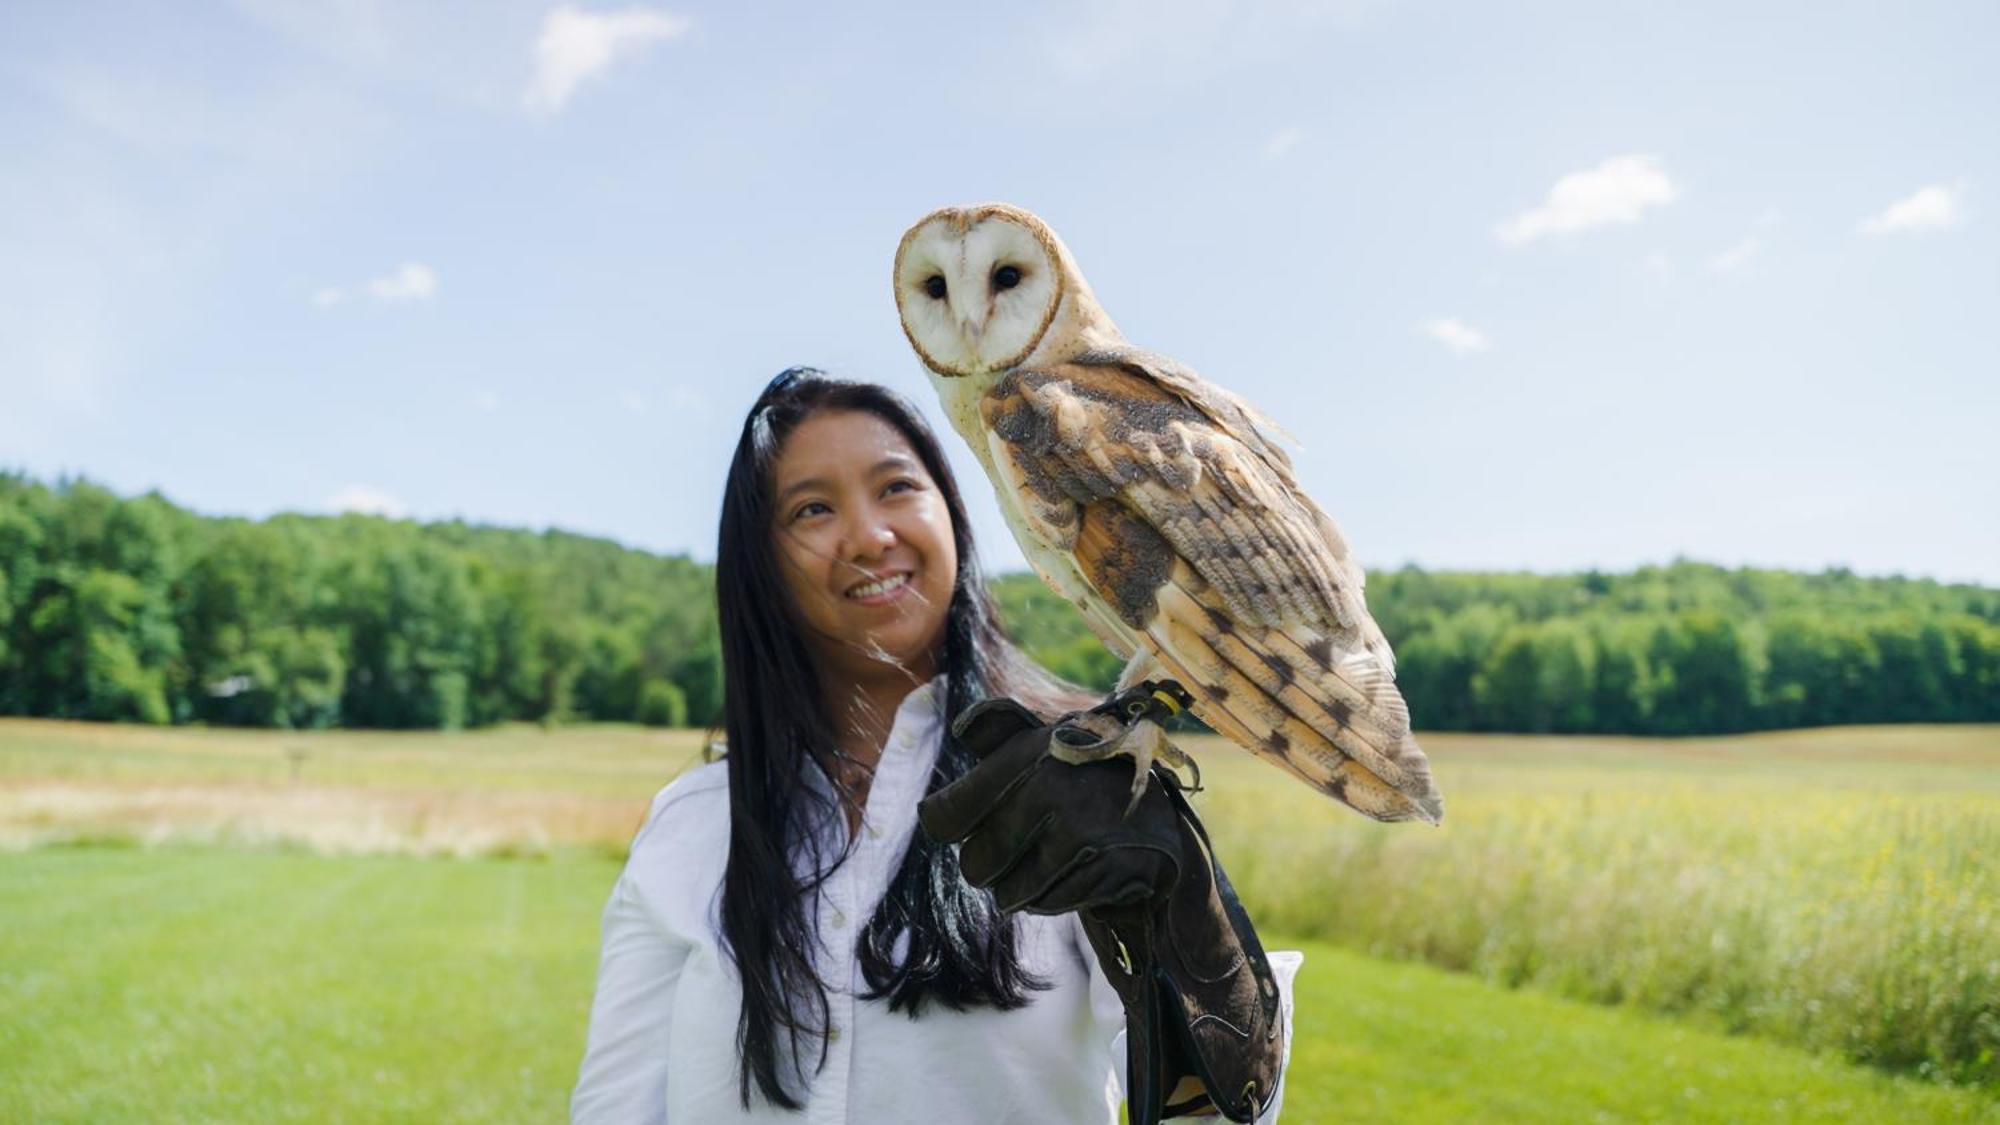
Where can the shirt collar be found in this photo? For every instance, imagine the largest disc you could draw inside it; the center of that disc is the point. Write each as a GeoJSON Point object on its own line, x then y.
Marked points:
{"type": "Point", "coordinates": [911, 746]}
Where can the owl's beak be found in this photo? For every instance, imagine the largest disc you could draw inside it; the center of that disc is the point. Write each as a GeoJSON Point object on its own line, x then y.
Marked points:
{"type": "Point", "coordinates": [970, 328]}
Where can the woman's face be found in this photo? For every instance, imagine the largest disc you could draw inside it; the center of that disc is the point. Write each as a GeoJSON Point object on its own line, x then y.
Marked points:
{"type": "Point", "coordinates": [864, 542]}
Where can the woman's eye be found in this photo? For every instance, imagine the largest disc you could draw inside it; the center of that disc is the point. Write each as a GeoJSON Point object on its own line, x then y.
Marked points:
{"type": "Point", "coordinates": [810, 508]}
{"type": "Point", "coordinates": [1006, 277]}
{"type": "Point", "coordinates": [900, 485]}
{"type": "Point", "coordinates": [934, 285]}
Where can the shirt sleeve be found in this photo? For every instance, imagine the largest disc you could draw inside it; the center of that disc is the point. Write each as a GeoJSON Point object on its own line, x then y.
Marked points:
{"type": "Point", "coordinates": [623, 1077]}
{"type": "Point", "coordinates": [1109, 1012]}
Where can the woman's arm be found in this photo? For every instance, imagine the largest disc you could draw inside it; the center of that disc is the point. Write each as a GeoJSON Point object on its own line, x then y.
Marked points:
{"type": "Point", "coordinates": [1051, 836]}
{"type": "Point", "coordinates": [624, 1073]}
{"type": "Point", "coordinates": [1109, 1010]}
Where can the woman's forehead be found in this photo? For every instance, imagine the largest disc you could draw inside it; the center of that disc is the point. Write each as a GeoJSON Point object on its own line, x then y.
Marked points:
{"type": "Point", "coordinates": [841, 443]}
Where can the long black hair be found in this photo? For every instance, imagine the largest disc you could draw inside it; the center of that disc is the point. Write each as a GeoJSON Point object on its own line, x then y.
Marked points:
{"type": "Point", "coordinates": [961, 950]}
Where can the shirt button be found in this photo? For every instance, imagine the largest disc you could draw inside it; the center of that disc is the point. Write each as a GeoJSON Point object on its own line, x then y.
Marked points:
{"type": "Point", "coordinates": [874, 833]}
{"type": "Point", "coordinates": [833, 1035]}
{"type": "Point", "coordinates": [839, 920]}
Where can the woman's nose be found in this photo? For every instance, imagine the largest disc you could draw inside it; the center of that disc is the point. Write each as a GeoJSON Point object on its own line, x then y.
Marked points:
{"type": "Point", "coordinates": [872, 537]}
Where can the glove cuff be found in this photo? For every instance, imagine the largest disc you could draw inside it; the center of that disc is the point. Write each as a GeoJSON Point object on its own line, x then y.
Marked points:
{"type": "Point", "coordinates": [1199, 994]}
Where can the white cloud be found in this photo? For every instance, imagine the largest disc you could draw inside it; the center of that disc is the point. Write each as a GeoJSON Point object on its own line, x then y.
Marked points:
{"type": "Point", "coordinates": [412, 281]}
{"type": "Point", "coordinates": [576, 45]}
{"type": "Point", "coordinates": [1750, 246]}
{"type": "Point", "coordinates": [486, 402]}
{"type": "Point", "coordinates": [1461, 338]}
{"type": "Point", "coordinates": [1737, 256]}
{"type": "Point", "coordinates": [633, 401]}
{"type": "Point", "coordinates": [369, 500]}
{"type": "Point", "coordinates": [1932, 208]}
{"type": "Point", "coordinates": [1616, 191]}
{"type": "Point", "coordinates": [1282, 142]}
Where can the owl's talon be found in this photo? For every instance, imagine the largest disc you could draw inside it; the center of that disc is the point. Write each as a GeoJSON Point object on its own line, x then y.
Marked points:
{"type": "Point", "coordinates": [1143, 741]}
{"type": "Point", "coordinates": [1095, 736]}
{"type": "Point", "coordinates": [1088, 737]}
{"type": "Point", "coordinates": [1177, 758]}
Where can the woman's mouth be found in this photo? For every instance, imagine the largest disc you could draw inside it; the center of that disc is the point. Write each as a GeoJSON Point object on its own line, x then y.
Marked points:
{"type": "Point", "coordinates": [880, 590]}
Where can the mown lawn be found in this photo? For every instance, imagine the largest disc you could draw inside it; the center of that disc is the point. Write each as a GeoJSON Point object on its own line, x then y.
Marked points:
{"type": "Point", "coordinates": [247, 985]}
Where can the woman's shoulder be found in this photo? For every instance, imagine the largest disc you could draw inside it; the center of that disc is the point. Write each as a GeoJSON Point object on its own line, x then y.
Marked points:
{"type": "Point", "coordinates": [675, 865]}
{"type": "Point", "coordinates": [691, 808]}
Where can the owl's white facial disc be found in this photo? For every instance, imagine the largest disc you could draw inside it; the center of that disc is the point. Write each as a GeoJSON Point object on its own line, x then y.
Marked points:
{"type": "Point", "coordinates": [975, 297]}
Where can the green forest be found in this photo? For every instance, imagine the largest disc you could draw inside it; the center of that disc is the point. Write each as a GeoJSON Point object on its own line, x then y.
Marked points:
{"type": "Point", "coordinates": [135, 609]}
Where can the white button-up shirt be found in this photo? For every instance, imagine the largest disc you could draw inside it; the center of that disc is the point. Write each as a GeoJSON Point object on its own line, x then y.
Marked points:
{"type": "Point", "coordinates": [662, 1041]}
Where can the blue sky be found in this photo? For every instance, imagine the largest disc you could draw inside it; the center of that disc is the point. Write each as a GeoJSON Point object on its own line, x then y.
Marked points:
{"type": "Point", "coordinates": [1541, 286]}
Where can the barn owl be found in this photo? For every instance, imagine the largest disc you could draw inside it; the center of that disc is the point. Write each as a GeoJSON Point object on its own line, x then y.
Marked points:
{"type": "Point", "coordinates": [1160, 505]}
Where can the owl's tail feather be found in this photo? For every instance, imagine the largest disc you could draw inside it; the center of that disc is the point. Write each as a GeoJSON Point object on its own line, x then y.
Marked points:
{"type": "Point", "coordinates": [1339, 777]}
{"type": "Point", "coordinates": [1292, 683]}
{"type": "Point", "coordinates": [1335, 721]}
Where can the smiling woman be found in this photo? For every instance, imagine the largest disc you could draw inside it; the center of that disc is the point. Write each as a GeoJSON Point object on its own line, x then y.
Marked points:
{"type": "Point", "coordinates": [785, 892]}
{"type": "Point", "coordinates": [864, 537]}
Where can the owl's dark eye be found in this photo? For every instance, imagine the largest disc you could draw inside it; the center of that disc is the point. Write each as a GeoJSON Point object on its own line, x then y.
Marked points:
{"type": "Point", "coordinates": [934, 285]}
{"type": "Point", "coordinates": [1006, 277]}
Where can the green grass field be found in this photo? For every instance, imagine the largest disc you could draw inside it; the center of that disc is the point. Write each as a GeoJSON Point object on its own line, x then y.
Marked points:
{"type": "Point", "coordinates": [246, 915]}
{"type": "Point", "coordinates": [207, 984]}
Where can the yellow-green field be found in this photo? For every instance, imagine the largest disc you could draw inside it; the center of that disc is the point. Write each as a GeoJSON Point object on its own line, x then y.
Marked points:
{"type": "Point", "coordinates": [1830, 889]}
{"type": "Point", "coordinates": [511, 790]}
{"type": "Point", "coordinates": [1835, 888]}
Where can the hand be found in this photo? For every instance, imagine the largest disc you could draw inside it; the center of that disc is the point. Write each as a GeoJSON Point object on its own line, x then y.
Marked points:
{"type": "Point", "coordinates": [1047, 836]}
{"type": "Point", "coordinates": [1050, 836]}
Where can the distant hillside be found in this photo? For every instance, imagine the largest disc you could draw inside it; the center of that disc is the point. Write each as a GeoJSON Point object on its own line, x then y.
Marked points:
{"type": "Point", "coordinates": [136, 609]}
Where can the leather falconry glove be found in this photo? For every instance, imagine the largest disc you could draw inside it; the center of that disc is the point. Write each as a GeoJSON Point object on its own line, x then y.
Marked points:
{"type": "Point", "coordinates": [1050, 836]}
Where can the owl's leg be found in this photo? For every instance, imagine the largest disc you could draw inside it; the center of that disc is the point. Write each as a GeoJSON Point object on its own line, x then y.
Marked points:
{"type": "Point", "coordinates": [1142, 667]}
{"type": "Point", "coordinates": [1142, 738]}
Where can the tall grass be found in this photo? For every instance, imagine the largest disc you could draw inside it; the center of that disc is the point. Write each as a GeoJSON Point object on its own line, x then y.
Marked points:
{"type": "Point", "coordinates": [1754, 892]}
{"type": "Point", "coordinates": [512, 790]}
{"type": "Point", "coordinates": [600, 759]}
{"type": "Point", "coordinates": [323, 821]}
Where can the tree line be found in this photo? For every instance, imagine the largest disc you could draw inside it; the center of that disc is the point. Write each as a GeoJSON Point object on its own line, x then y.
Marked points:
{"type": "Point", "coordinates": [1687, 648]}
{"type": "Point", "coordinates": [136, 609]}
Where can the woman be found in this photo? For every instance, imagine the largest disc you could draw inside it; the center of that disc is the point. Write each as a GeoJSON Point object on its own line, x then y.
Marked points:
{"type": "Point", "coordinates": [784, 942]}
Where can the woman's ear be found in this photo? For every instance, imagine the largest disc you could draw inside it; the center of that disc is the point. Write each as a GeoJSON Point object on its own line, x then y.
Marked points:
{"type": "Point", "coordinates": [983, 726]}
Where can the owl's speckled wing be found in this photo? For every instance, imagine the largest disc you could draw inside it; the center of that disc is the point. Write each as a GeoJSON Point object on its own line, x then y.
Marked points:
{"type": "Point", "coordinates": [1192, 534]}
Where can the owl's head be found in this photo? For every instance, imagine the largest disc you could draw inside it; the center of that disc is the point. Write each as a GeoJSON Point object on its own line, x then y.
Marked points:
{"type": "Point", "coordinates": [978, 287]}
